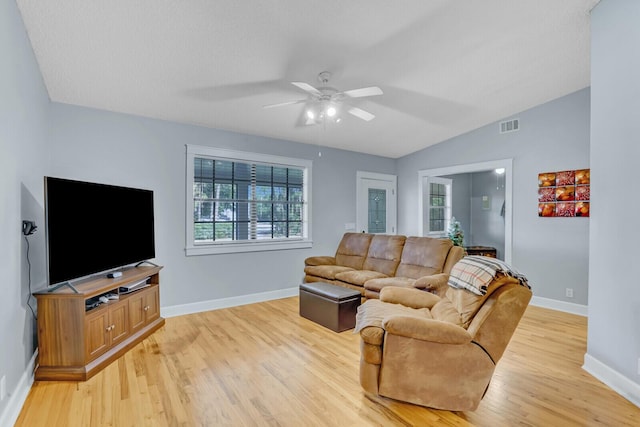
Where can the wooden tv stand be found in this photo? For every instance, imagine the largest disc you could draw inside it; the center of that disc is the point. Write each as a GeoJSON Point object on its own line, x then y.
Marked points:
{"type": "Point", "coordinates": [76, 342]}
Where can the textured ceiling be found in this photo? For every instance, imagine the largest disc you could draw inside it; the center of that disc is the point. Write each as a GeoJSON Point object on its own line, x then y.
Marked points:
{"type": "Point", "coordinates": [446, 67]}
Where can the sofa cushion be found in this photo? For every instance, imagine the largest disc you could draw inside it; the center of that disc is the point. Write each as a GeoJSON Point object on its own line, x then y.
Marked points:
{"type": "Point", "coordinates": [371, 353]}
{"type": "Point", "coordinates": [372, 335]}
{"type": "Point", "coordinates": [437, 283]}
{"type": "Point", "coordinates": [408, 297]}
{"type": "Point", "coordinates": [326, 271]}
{"type": "Point", "coordinates": [378, 284]}
{"type": "Point", "coordinates": [445, 311]}
{"type": "Point", "coordinates": [423, 256]}
{"type": "Point", "coordinates": [358, 277]}
{"type": "Point", "coordinates": [456, 253]}
{"type": "Point", "coordinates": [353, 250]}
{"type": "Point", "coordinates": [320, 260]}
{"type": "Point", "coordinates": [467, 303]}
{"type": "Point", "coordinates": [384, 254]}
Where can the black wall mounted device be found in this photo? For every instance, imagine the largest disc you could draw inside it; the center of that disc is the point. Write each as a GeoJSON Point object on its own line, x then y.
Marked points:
{"type": "Point", "coordinates": [29, 227]}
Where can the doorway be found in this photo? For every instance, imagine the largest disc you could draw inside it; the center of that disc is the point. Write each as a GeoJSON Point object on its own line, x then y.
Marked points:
{"type": "Point", "coordinates": [426, 176]}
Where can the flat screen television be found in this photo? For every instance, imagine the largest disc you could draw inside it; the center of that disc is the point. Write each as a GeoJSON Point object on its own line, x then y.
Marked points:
{"type": "Point", "coordinates": [93, 228]}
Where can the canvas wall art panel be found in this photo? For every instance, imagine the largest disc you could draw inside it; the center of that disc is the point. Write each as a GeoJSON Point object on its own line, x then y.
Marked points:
{"type": "Point", "coordinates": [564, 193]}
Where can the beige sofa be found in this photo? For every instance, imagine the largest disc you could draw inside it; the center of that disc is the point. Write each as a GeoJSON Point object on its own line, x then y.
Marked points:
{"type": "Point", "coordinates": [370, 262]}
{"type": "Point", "coordinates": [437, 352]}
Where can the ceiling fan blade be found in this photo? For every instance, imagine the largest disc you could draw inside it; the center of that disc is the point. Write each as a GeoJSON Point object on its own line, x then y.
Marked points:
{"type": "Point", "coordinates": [361, 114]}
{"type": "Point", "coordinates": [365, 91]}
{"type": "Point", "coordinates": [281, 104]}
{"type": "Point", "coordinates": [307, 88]}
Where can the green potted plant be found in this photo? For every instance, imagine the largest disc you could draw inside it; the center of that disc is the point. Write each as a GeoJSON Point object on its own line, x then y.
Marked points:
{"type": "Point", "coordinates": [455, 233]}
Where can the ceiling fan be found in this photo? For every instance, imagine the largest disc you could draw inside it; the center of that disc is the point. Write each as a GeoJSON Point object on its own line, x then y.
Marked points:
{"type": "Point", "coordinates": [326, 103]}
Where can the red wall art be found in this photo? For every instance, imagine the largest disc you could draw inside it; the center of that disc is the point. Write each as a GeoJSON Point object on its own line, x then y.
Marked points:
{"type": "Point", "coordinates": [564, 194]}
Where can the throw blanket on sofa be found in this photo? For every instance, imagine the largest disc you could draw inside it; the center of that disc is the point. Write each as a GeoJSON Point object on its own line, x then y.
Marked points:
{"type": "Point", "coordinates": [474, 273]}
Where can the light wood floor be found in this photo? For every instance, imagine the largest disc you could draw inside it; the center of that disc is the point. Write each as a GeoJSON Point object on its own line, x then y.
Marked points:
{"type": "Point", "coordinates": [262, 364]}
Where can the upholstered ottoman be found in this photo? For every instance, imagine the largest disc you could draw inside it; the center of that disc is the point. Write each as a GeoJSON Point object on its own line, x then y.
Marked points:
{"type": "Point", "coordinates": [331, 306]}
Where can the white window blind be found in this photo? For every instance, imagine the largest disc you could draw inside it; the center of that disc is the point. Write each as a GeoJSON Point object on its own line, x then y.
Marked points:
{"type": "Point", "coordinates": [246, 201]}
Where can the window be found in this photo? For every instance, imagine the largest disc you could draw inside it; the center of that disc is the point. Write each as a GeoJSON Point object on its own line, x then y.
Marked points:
{"type": "Point", "coordinates": [242, 202]}
{"type": "Point", "coordinates": [438, 201]}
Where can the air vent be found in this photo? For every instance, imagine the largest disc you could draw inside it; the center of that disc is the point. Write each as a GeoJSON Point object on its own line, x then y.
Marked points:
{"type": "Point", "coordinates": [510, 126]}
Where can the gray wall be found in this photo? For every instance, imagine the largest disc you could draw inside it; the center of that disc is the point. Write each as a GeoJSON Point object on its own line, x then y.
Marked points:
{"type": "Point", "coordinates": [120, 149]}
{"type": "Point", "coordinates": [487, 226]}
{"type": "Point", "coordinates": [23, 122]}
{"type": "Point", "coordinates": [552, 252]}
{"type": "Point", "coordinates": [614, 292]}
{"type": "Point", "coordinates": [484, 227]}
{"type": "Point", "coordinates": [461, 202]}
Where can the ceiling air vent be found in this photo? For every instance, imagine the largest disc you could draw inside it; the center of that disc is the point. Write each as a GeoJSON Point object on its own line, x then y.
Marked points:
{"type": "Point", "coordinates": [510, 126]}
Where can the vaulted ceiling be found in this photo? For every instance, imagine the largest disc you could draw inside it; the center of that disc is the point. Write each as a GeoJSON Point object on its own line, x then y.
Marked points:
{"type": "Point", "coordinates": [445, 67]}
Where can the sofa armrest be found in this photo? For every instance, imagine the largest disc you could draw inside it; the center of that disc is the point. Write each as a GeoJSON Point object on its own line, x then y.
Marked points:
{"type": "Point", "coordinates": [320, 260]}
{"type": "Point", "coordinates": [409, 297]}
{"type": "Point", "coordinates": [431, 330]}
{"type": "Point", "coordinates": [436, 283]}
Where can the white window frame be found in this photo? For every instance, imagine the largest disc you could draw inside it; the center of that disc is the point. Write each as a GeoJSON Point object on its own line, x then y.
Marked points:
{"type": "Point", "coordinates": [236, 246]}
{"type": "Point", "coordinates": [448, 183]}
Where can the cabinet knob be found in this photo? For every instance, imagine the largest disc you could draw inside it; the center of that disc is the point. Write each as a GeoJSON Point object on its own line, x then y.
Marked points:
{"type": "Point", "coordinates": [146, 308]}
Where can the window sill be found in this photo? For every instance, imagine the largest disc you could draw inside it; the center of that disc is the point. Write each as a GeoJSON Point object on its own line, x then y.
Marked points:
{"type": "Point", "coordinates": [437, 235]}
{"type": "Point", "coordinates": [239, 247]}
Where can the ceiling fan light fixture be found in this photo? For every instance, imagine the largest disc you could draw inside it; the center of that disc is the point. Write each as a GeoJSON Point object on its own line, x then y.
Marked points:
{"type": "Point", "coordinates": [327, 104]}
{"type": "Point", "coordinates": [310, 114]}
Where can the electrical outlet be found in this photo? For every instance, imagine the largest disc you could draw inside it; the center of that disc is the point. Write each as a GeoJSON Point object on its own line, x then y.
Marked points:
{"type": "Point", "coordinates": [568, 293]}
{"type": "Point", "coordinates": [3, 387]}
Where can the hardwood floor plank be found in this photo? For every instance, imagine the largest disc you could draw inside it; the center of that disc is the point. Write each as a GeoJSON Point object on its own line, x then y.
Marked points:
{"type": "Point", "coordinates": [264, 365]}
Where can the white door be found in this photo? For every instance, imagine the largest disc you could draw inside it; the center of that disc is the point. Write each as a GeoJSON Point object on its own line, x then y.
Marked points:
{"type": "Point", "coordinates": [376, 204]}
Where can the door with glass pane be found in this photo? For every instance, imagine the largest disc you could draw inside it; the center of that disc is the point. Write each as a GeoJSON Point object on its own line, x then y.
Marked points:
{"type": "Point", "coordinates": [376, 208]}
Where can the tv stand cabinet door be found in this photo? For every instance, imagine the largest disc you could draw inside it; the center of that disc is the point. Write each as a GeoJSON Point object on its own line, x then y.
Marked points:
{"type": "Point", "coordinates": [136, 311]}
{"type": "Point", "coordinates": [144, 308]}
{"type": "Point", "coordinates": [97, 328]}
{"type": "Point", "coordinates": [152, 304]}
{"type": "Point", "coordinates": [119, 318]}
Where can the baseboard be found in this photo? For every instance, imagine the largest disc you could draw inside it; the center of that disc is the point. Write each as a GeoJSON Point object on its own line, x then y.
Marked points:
{"type": "Point", "coordinates": [216, 304]}
{"type": "Point", "coordinates": [615, 380]}
{"type": "Point", "coordinates": [567, 307]}
{"type": "Point", "coordinates": [197, 307]}
{"type": "Point", "coordinates": [16, 400]}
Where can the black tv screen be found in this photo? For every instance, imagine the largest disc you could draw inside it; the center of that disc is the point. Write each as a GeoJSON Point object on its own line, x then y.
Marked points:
{"type": "Point", "coordinates": [92, 228]}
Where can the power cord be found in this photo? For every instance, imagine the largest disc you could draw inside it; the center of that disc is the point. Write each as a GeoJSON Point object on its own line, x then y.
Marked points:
{"type": "Point", "coordinates": [29, 279]}
{"type": "Point", "coordinates": [28, 228]}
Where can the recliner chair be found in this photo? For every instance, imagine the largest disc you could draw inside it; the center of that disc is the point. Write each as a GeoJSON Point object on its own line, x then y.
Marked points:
{"type": "Point", "coordinates": [438, 352]}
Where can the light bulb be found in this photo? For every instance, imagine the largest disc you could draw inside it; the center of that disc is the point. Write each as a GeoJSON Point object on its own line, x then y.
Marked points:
{"type": "Point", "coordinates": [310, 115]}
{"type": "Point", "coordinates": [331, 111]}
